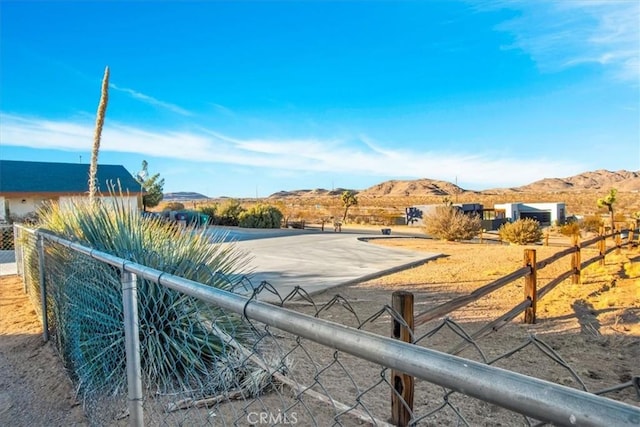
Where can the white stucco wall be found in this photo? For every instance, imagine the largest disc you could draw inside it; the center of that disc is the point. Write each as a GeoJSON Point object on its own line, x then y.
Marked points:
{"type": "Point", "coordinates": [513, 211]}
{"type": "Point", "coordinates": [129, 201]}
{"type": "Point", "coordinates": [17, 208]}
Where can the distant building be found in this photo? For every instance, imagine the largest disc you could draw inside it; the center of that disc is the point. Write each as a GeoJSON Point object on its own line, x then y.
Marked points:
{"type": "Point", "coordinates": [544, 213]}
{"type": "Point", "coordinates": [24, 186]}
{"type": "Point", "coordinates": [492, 219]}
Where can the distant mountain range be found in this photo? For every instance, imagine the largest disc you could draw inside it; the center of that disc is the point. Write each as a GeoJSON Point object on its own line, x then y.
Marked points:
{"type": "Point", "coordinates": [595, 180]}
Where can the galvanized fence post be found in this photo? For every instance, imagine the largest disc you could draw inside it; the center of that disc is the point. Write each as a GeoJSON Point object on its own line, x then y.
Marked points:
{"type": "Point", "coordinates": [43, 288]}
{"type": "Point", "coordinates": [132, 346]}
{"type": "Point", "coordinates": [18, 231]}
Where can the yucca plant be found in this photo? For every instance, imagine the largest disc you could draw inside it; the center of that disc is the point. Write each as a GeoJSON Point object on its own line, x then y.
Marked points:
{"type": "Point", "coordinates": [181, 344]}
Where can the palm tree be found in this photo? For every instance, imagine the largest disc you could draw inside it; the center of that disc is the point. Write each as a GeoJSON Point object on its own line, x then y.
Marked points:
{"type": "Point", "coordinates": [102, 109]}
{"type": "Point", "coordinates": [608, 202]}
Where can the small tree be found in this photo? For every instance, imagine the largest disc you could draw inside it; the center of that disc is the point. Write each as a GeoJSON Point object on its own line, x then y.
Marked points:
{"type": "Point", "coordinates": [607, 202]}
{"type": "Point", "coordinates": [348, 199]}
{"type": "Point", "coordinates": [450, 223]}
{"type": "Point", "coordinates": [521, 232]}
{"type": "Point", "coordinates": [153, 186]}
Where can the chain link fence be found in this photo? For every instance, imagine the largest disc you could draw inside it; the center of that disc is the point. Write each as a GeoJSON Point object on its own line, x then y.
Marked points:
{"type": "Point", "coordinates": [210, 353]}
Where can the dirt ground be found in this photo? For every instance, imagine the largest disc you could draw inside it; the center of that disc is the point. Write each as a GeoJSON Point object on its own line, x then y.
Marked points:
{"type": "Point", "coordinates": [594, 326]}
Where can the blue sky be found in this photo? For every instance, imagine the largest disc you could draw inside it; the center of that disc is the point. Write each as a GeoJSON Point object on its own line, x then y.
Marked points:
{"type": "Point", "coordinates": [249, 98]}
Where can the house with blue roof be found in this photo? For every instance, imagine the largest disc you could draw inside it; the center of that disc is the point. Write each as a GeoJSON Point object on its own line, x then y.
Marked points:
{"type": "Point", "coordinates": [24, 186]}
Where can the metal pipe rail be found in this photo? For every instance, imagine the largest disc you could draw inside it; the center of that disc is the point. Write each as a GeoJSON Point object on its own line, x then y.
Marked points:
{"type": "Point", "coordinates": [533, 397]}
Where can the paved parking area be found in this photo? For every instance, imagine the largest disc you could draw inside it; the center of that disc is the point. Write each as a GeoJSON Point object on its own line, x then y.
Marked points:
{"type": "Point", "coordinates": [311, 259]}
{"type": "Point", "coordinates": [316, 261]}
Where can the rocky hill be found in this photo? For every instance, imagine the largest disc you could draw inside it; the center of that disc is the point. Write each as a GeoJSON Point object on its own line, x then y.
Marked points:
{"type": "Point", "coordinates": [318, 192]}
{"type": "Point", "coordinates": [416, 187]}
{"type": "Point", "coordinates": [181, 196]}
{"type": "Point", "coordinates": [594, 180]}
{"type": "Point", "coordinates": [597, 180]}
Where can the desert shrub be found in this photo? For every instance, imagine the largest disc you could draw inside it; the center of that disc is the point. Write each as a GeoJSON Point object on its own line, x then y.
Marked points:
{"type": "Point", "coordinates": [209, 210]}
{"type": "Point", "coordinates": [184, 343]}
{"type": "Point", "coordinates": [228, 213]}
{"type": "Point", "coordinates": [521, 232]}
{"type": "Point", "coordinates": [173, 206]}
{"type": "Point", "coordinates": [449, 223]}
{"type": "Point", "coordinates": [591, 223]}
{"type": "Point", "coordinates": [260, 216]}
{"type": "Point", "coordinates": [570, 229]}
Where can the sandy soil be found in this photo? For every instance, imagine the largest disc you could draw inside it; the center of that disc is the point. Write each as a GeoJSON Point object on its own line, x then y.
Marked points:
{"type": "Point", "coordinates": [594, 326]}
{"type": "Point", "coordinates": [34, 387]}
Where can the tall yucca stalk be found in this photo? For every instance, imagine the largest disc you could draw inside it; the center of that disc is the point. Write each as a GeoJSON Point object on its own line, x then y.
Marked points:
{"type": "Point", "coordinates": [102, 110]}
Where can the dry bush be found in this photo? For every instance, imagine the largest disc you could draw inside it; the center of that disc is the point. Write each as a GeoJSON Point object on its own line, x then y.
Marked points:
{"type": "Point", "coordinates": [592, 223]}
{"type": "Point", "coordinates": [172, 206]}
{"type": "Point", "coordinates": [570, 229]}
{"type": "Point", "coordinates": [521, 232]}
{"type": "Point", "coordinates": [449, 223]}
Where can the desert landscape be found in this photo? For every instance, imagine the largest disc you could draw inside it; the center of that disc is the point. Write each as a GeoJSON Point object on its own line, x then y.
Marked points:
{"type": "Point", "coordinates": [385, 203]}
{"type": "Point", "coordinates": [593, 326]}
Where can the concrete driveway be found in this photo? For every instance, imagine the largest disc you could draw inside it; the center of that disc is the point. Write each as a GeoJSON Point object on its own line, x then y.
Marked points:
{"type": "Point", "coordinates": [317, 260]}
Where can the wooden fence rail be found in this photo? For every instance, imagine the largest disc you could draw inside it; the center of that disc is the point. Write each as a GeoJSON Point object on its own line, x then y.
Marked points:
{"type": "Point", "coordinates": [402, 395]}
{"type": "Point", "coordinates": [577, 266]}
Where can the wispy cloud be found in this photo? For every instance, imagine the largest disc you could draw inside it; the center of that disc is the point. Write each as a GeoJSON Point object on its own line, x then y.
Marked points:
{"type": "Point", "coordinates": [151, 100]}
{"type": "Point", "coordinates": [562, 34]}
{"type": "Point", "coordinates": [289, 155]}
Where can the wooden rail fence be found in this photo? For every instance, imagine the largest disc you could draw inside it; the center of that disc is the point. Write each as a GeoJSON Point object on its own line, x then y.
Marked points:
{"type": "Point", "coordinates": [402, 394]}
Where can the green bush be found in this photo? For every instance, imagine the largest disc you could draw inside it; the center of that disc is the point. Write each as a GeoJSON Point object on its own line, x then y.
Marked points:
{"type": "Point", "coordinates": [449, 223]}
{"type": "Point", "coordinates": [210, 210]}
{"type": "Point", "coordinates": [261, 216]}
{"type": "Point", "coordinates": [521, 232]}
{"type": "Point", "coordinates": [228, 213]}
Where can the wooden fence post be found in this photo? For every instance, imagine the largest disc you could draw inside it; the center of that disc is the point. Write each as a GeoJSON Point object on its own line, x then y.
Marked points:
{"type": "Point", "coordinates": [618, 240]}
{"type": "Point", "coordinates": [602, 245]}
{"type": "Point", "coordinates": [403, 384]}
{"type": "Point", "coordinates": [530, 286]}
{"type": "Point", "coordinates": [575, 260]}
